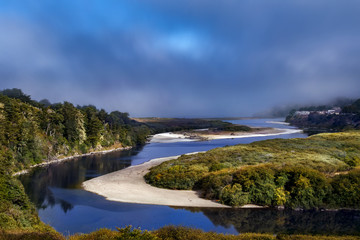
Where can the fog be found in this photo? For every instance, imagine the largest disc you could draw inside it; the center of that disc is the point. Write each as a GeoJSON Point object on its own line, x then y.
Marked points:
{"type": "Point", "coordinates": [181, 58]}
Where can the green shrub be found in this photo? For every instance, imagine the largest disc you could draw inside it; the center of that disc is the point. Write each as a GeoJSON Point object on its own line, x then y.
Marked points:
{"type": "Point", "coordinates": [234, 196]}
{"type": "Point", "coordinates": [307, 187]}
{"type": "Point", "coordinates": [258, 181]}
{"type": "Point", "coordinates": [346, 190]}
{"type": "Point", "coordinates": [185, 233]}
{"type": "Point", "coordinates": [127, 233]}
{"type": "Point", "coordinates": [212, 184]}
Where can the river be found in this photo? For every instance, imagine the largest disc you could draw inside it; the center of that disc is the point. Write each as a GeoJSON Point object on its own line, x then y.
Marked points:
{"type": "Point", "coordinates": [62, 203]}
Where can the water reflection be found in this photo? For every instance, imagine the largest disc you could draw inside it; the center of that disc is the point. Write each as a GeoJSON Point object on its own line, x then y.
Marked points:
{"type": "Point", "coordinates": [62, 203]}
{"type": "Point", "coordinates": [70, 174]}
{"type": "Point", "coordinates": [92, 212]}
{"type": "Point", "coordinates": [285, 221]}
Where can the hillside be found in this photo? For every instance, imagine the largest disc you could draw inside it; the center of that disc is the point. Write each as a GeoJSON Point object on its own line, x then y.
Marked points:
{"type": "Point", "coordinates": [319, 171]}
{"type": "Point", "coordinates": [32, 132]}
{"type": "Point", "coordinates": [317, 119]}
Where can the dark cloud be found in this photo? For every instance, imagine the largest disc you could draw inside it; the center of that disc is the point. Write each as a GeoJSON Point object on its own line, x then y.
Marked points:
{"type": "Point", "coordinates": [181, 58]}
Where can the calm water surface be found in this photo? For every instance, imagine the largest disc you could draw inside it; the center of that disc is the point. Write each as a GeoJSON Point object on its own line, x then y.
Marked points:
{"type": "Point", "coordinates": [60, 201]}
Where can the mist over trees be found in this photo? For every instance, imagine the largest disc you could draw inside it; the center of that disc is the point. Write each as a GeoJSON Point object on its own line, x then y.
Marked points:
{"type": "Point", "coordinates": [283, 111]}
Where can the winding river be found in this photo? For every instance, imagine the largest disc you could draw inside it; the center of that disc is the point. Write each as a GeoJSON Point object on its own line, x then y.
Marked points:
{"type": "Point", "coordinates": [62, 203]}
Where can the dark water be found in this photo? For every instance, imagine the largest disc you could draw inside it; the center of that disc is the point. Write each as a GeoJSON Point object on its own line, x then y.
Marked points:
{"type": "Point", "coordinates": [56, 191]}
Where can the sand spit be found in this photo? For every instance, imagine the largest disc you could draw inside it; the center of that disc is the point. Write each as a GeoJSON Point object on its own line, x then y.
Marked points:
{"type": "Point", "coordinates": [170, 137]}
{"type": "Point", "coordinates": [203, 135]}
{"type": "Point", "coordinates": [128, 185]}
{"type": "Point", "coordinates": [261, 133]}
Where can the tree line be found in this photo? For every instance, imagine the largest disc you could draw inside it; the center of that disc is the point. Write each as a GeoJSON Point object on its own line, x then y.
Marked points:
{"type": "Point", "coordinates": [33, 131]}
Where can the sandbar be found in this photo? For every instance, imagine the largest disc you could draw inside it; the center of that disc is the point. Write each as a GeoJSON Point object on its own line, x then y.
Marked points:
{"type": "Point", "coordinates": [128, 185]}
{"type": "Point", "coordinates": [204, 135]}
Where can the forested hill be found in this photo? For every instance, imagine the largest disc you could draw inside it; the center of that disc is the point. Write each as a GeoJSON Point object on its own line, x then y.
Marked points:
{"type": "Point", "coordinates": [34, 131]}
{"type": "Point", "coordinates": [316, 119]}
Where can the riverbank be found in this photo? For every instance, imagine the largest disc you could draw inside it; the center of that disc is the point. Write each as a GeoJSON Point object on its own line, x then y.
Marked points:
{"type": "Point", "coordinates": [235, 175]}
{"type": "Point", "coordinates": [58, 160]}
{"type": "Point", "coordinates": [128, 185]}
{"type": "Point", "coordinates": [206, 135]}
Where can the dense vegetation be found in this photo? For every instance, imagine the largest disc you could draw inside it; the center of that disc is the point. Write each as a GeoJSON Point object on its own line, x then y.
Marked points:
{"type": "Point", "coordinates": [352, 108]}
{"type": "Point", "coordinates": [165, 233]}
{"type": "Point", "coordinates": [296, 173]}
{"type": "Point", "coordinates": [235, 128]}
{"type": "Point", "coordinates": [16, 211]}
{"type": "Point", "coordinates": [181, 124]}
{"type": "Point", "coordinates": [32, 131]}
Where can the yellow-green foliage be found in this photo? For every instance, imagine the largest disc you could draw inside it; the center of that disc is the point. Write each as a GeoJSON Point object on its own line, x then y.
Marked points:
{"type": "Point", "coordinates": [15, 208]}
{"type": "Point", "coordinates": [16, 211]}
{"type": "Point", "coordinates": [127, 233]}
{"type": "Point", "coordinates": [183, 233]}
{"type": "Point", "coordinates": [34, 133]}
{"type": "Point", "coordinates": [30, 235]}
{"type": "Point", "coordinates": [346, 189]}
{"type": "Point", "coordinates": [164, 233]}
{"type": "Point", "coordinates": [290, 172]}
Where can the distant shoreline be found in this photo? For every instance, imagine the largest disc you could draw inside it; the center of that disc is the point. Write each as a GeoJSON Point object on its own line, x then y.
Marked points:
{"type": "Point", "coordinates": [187, 136]}
{"type": "Point", "coordinates": [170, 137]}
{"type": "Point", "coordinates": [59, 160]}
{"type": "Point", "coordinates": [166, 138]}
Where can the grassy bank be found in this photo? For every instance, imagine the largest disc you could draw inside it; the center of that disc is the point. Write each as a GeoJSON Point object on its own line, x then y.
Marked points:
{"type": "Point", "coordinates": [319, 171]}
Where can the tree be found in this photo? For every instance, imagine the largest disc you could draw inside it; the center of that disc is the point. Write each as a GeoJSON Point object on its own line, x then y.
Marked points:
{"type": "Point", "coordinates": [16, 93]}
{"type": "Point", "coordinates": [74, 129]}
{"type": "Point", "coordinates": [45, 102]}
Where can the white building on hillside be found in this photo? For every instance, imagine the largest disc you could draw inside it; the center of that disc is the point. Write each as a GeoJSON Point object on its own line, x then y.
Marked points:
{"type": "Point", "coordinates": [302, 113]}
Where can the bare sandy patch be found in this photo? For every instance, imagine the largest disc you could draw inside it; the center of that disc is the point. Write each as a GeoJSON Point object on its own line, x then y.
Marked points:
{"type": "Point", "coordinates": [205, 135]}
{"type": "Point", "coordinates": [128, 185]}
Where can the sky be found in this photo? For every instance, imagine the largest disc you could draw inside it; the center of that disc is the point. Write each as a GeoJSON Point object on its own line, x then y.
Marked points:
{"type": "Point", "coordinates": [188, 58]}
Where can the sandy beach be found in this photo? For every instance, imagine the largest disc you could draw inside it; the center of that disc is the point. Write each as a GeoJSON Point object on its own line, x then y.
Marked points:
{"type": "Point", "coordinates": [170, 137]}
{"type": "Point", "coordinates": [260, 133]}
{"type": "Point", "coordinates": [128, 185]}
